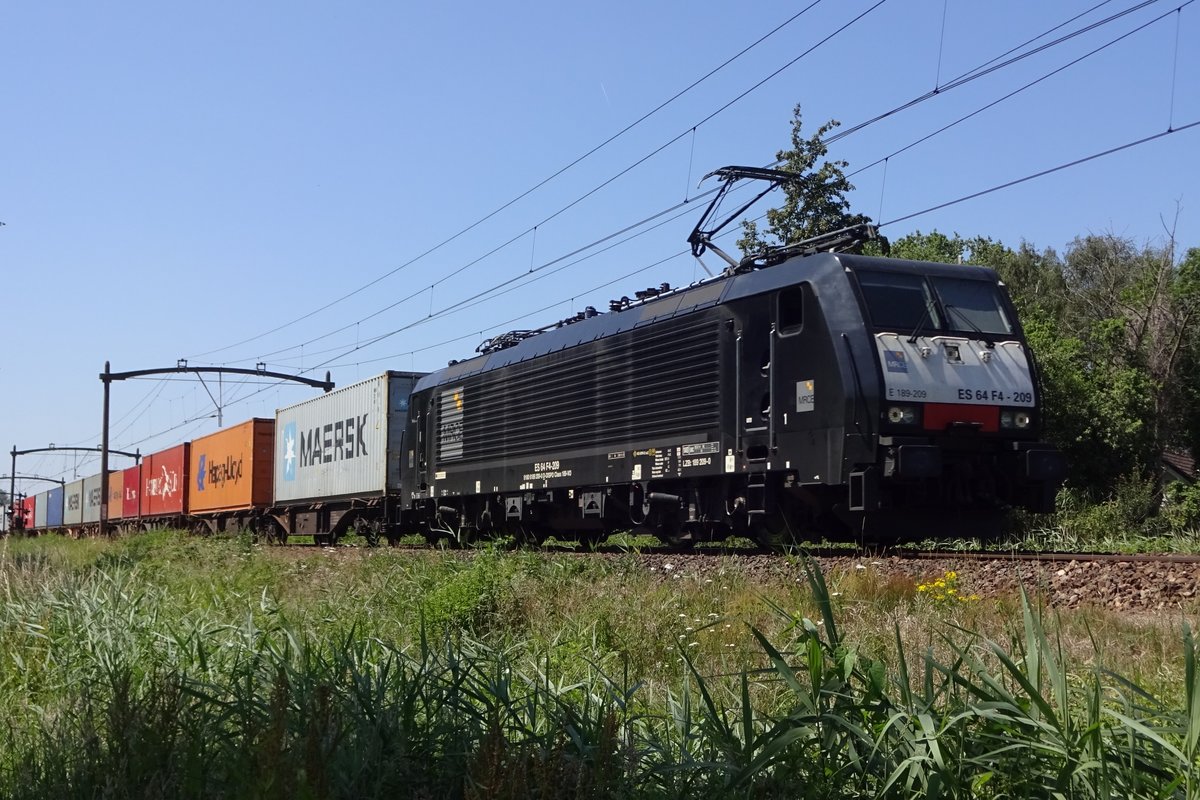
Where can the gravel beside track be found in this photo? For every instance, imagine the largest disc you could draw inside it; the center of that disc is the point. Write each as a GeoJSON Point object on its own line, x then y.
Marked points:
{"type": "Point", "coordinates": [1142, 582]}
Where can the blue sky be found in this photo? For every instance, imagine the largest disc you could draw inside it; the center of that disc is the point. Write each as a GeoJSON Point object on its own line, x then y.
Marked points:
{"type": "Point", "coordinates": [178, 178]}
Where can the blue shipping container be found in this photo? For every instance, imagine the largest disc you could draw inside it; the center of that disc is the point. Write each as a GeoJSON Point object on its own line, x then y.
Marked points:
{"type": "Point", "coordinates": [54, 511]}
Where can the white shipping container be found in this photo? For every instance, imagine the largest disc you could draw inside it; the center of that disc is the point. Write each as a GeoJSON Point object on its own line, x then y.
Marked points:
{"type": "Point", "coordinates": [343, 444]}
{"type": "Point", "coordinates": [91, 498]}
{"type": "Point", "coordinates": [73, 503]}
{"type": "Point", "coordinates": [41, 503]}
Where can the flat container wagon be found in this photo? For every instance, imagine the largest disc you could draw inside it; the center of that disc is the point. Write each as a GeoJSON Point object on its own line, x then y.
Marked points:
{"type": "Point", "coordinates": [73, 504]}
{"type": "Point", "coordinates": [131, 492]}
{"type": "Point", "coordinates": [116, 495]}
{"type": "Point", "coordinates": [54, 508]}
{"type": "Point", "coordinates": [337, 457]}
{"type": "Point", "coordinates": [39, 510]}
{"type": "Point", "coordinates": [165, 475]}
{"type": "Point", "coordinates": [231, 475]}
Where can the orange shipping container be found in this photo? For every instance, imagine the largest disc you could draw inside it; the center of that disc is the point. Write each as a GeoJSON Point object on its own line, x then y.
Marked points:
{"type": "Point", "coordinates": [231, 470]}
{"type": "Point", "coordinates": [116, 494]}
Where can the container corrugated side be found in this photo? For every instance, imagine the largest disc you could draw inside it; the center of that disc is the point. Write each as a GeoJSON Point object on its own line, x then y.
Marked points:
{"type": "Point", "coordinates": [342, 444]}
{"type": "Point", "coordinates": [165, 482]}
{"type": "Point", "coordinates": [231, 469]}
{"type": "Point", "coordinates": [54, 511]}
{"type": "Point", "coordinates": [28, 510]}
{"type": "Point", "coordinates": [39, 509]}
{"type": "Point", "coordinates": [116, 494]}
{"type": "Point", "coordinates": [91, 498]}
{"type": "Point", "coordinates": [131, 492]}
{"type": "Point", "coordinates": [73, 503]}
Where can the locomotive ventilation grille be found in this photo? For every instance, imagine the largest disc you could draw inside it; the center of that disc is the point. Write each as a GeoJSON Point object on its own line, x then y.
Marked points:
{"type": "Point", "coordinates": [651, 383]}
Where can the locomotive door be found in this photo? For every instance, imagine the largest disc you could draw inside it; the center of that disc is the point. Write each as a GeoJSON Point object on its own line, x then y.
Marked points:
{"type": "Point", "coordinates": [755, 348]}
{"type": "Point", "coordinates": [421, 443]}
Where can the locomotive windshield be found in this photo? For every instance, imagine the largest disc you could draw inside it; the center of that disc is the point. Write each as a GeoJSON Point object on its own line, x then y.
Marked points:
{"type": "Point", "coordinates": [911, 303]}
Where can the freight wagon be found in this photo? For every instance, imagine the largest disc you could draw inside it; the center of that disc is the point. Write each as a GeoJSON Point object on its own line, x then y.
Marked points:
{"type": "Point", "coordinates": [337, 460]}
{"type": "Point", "coordinates": [162, 498]}
{"type": "Point", "coordinates": [116, 496]}
{"type": "Point", "coordinates": [28, 512]}
{"type": "Point", "coordinates": [54, 508]}
{"type": "Point", "coordinates": [231, 477]}
{"type": "Point", "coordinates": [129, 501]}
{"type": "Point", "coordinates": [41, 506]}
{"type": "Point", "coordinates": [72, 521]}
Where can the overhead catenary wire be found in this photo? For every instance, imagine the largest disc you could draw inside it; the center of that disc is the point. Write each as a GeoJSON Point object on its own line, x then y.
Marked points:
{"type": "Point", "coordinates": [624, 171]}
{"type": "Point", "coordinates": [964, 198]}
{"type": "Point", "coordinates": [573, 163]}
{"type": "Point", "coordinates": [988, 67]}
{"type": "Point", "coordinates": [1043, 173]}
{"type": "Point", "coordinates": [1018, 90]}
{"type": "Point", "coordinates": [979, 72]}
{"type": "Point", "coordinates": [1176, 11]}
{"type": "Point", "coordinates": [958, 81]}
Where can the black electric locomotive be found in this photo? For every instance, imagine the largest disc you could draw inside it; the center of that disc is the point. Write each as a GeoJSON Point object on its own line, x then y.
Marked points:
{"type": "Point", "coordinates": [805, 391]}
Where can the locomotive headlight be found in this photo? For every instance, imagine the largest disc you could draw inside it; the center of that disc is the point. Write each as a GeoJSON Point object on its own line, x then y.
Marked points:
{"type": "Point", "coordinates": [902, 415]}
{"type": "Point", "coordinates": [1015, 419]}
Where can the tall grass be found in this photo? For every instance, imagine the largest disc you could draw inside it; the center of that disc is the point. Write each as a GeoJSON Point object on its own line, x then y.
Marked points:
{"type": "Point", "coordinates": [115, 684]}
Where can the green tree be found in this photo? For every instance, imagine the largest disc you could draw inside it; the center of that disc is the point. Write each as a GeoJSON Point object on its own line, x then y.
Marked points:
{"type": "Point", "coordinates": [1097, 407]}
{"type": "Point", "coordinates": [1154, 304]}
{"type": "Point", "coordinates": [814, 203]}
{"type": "Point", "coordinates": [1034, 280]}
{"type": "Point", "coordinates": [1098, 399]}
{"type": "Point", "coordinates": [1188, 293]}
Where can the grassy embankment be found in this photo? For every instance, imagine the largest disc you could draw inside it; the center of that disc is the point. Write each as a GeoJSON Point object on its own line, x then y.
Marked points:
{"type": "Point", "coordinates": [166, 666]}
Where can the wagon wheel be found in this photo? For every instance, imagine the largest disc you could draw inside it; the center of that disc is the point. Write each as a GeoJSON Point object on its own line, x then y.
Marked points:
{"type": "Point", "coordinates": [369, 530]}
{"type": "Point", "coordinates": [273, 532]}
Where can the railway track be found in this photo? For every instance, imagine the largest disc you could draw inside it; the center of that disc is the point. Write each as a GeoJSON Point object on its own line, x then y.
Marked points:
{"type": "Point", "coordinates": [1051, 557]}
{"type": "Point", "coordinates": [822, 553]}
{"type": "Point", "coordinates": [1137, 582]}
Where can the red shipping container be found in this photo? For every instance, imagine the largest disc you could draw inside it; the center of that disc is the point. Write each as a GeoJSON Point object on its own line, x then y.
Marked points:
{"type": "Point", "coordinates": [130, 507]}
{"type": "Point", "coordinates": [165, 482]}
{"type": "Point", "coordinates": [27, 507]}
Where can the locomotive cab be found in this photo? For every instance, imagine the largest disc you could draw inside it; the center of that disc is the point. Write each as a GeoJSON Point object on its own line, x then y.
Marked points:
{"type": "Point", "coordinates": [955, 394]}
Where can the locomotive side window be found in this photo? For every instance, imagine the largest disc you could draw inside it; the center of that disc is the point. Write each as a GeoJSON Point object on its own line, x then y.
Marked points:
{"type": "Point", "coordinates": [898, 301]}
{"type": "Point", "coordinates": [791, 309]}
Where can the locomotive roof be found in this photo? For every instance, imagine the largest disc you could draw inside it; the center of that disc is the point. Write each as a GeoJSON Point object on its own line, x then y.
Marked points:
{"type": "Point", "coordinates": [704, 294]}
